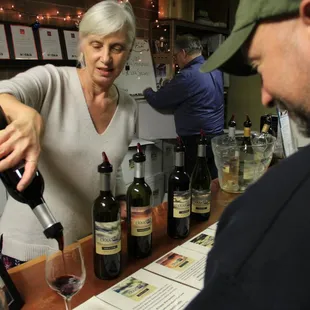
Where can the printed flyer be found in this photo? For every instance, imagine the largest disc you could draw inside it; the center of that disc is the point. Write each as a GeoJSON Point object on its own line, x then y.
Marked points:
{"type": "Point", "coordinates": [214, 226]}
{"type": "Point", "coordinates": [202, 243]}
{"type": "Point", "coordinates": [182, 265]}
{"type": "Point", "coordinates": [94, 303]}
{"type": "Point", "coordinates": [144, 290]}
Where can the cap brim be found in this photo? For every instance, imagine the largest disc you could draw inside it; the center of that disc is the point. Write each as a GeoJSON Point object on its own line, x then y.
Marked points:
{"type": "Point", "coordinates": [228, 57]}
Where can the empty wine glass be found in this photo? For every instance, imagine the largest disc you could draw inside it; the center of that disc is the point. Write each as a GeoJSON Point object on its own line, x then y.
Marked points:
{"type": "Point", "coordinates": [65, 271]}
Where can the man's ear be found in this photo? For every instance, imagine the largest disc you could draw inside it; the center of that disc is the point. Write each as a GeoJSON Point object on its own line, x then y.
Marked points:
{"type": "Point", "coordinates": [184, 54]}
{"type": "Point", "coordinates": [304, 11]}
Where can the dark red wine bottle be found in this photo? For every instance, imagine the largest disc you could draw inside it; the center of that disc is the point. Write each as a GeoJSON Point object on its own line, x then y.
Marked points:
{"type": "Point", "coordinates": [106, 227]}
{"type": "Point", "coordinates": [32, 195]}
{"type": "Point", "coordinates": [200, 183]}
{"type": "Point", "coordinates": [139, 211]}
{"type": "Point", "coordinates": [179, 197]}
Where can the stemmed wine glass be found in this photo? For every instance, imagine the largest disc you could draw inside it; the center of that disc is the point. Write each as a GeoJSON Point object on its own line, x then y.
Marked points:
{"type": "Point", "coordinates": [65, 271]}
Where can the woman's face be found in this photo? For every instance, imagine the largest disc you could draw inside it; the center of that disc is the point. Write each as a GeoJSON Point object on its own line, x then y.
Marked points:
{"type": "Point", "coordinates": [106, 56]}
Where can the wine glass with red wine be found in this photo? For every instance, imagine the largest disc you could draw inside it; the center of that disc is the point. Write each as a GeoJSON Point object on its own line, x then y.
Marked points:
{"type": "Point", "coordinates": [65, 271]}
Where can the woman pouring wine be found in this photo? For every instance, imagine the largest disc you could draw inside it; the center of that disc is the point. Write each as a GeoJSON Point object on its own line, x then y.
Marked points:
{"type": "Point", "coordinates": [82, 113]}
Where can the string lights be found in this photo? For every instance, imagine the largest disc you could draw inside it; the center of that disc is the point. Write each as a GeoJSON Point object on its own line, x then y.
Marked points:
{"type": "Point", "coordinates": [41, 17]}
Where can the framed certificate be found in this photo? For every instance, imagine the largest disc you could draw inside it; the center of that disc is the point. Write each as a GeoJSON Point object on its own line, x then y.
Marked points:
{"type": "Point", "coordinates": [50, 43]}
{"type": "Point", "coordinates": [23, 42]}
{"type": "Point", "coordinates": [71, 40]}
{"type": "Point", "coordinates": [4, 50]}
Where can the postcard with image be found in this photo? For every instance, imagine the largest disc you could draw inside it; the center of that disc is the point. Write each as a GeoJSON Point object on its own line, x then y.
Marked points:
{"type": "Point", "coordinates": [134, 289]}
{"type": "Point", "coordinates": [202, 243]}
{"type": "Point", "coordinates": [182, 265]}
{"type": "Point", "coordinates": [175, 261]}
{"type": "Point", "coordinates": [144, 290]}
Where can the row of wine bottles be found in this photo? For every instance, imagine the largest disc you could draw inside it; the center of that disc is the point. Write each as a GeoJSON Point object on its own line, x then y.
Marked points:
{"type": "Point", "coordinates": [185, 197]}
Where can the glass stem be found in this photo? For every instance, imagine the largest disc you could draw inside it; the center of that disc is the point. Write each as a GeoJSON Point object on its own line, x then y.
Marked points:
{"type": "Point", "coordinates": [68, 303]}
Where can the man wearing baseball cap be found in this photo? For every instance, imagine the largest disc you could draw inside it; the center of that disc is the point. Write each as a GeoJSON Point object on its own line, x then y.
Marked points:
{"type": "Point", "coordinates": [261, 255]}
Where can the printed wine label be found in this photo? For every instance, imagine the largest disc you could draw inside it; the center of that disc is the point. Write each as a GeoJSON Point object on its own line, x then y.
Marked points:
{"type": "Point", "coordinates": [248, 172]}
{"type": "Point", "coordinates": [108, 237]}
{"type": "Point", "coordinates": [181, 204]}
{"type": "Point", "coordinates": [201, 201]}
{"type": "Point", "coordinates": [175, 261]}
{"type": "Point", "coordinates": [141, 221]}
{"type": "Point", "coordinates": [134, 289]}
{"type": "Point", "coordinates": [226, 168]}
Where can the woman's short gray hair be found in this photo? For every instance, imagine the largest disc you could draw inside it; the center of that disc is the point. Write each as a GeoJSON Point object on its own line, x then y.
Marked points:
{"type": "Point", "coordinates": [107, 17]}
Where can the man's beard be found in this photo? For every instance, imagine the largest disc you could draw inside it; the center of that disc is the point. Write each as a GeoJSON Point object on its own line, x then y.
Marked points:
{"type": "Point", "coordinates": [299, 115]}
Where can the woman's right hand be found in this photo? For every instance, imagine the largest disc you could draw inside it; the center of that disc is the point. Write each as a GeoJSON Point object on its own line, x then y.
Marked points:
{"type": "Point", "coordinates": [20, 140]}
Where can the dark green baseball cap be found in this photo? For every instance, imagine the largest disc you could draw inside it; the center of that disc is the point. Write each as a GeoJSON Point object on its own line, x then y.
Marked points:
{"type": "Point", "coordinates": [228, 57]}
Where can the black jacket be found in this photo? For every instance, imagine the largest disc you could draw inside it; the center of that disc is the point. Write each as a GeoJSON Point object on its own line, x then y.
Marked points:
{"type": "Point", "coordinates": [261, 256]}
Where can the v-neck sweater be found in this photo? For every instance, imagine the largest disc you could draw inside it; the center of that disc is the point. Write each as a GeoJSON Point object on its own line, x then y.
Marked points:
{"type": "Point", "coordinates": [71, 153]}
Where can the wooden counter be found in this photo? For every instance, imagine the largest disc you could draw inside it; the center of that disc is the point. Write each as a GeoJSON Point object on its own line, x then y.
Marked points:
{"type": "Point", "coordinates": [29, 278]}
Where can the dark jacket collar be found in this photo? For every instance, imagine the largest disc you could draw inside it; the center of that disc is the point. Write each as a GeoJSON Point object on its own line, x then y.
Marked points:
{"type": "Point", "coordinates": [197, 60]}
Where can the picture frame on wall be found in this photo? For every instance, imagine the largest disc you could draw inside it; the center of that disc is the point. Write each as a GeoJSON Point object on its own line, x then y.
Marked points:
{"type": "Point", "coordinates": [12, 295]}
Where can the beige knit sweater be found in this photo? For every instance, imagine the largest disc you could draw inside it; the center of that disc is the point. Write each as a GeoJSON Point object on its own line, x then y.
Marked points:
{"type": "Point", "coordinates": [71, 152]}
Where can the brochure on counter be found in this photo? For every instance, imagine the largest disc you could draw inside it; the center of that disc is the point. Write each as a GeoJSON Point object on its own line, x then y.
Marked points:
{"type": "Point", "coordinates": [181, 265]}
{"type": "Point", "coordinates": [214, 226]}
{"type": "Point", "coordinates": [94, 303]}
{"type": "Point", "coordinates": [202, 243]}
{"type": "Point", "coordinates": [144, 290]}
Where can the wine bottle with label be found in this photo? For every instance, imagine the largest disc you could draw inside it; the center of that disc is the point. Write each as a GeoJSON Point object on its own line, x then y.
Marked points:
{"type": "Point", "coordinates": [232, 128]}
{"type": "Point", "coordinates": [106, 227]}
{"type": "Point", "coordinates": [200, 183]}
{"type": "Point", "coordinates": [32, 195]}
{"type": "Point", "coordinates": [179, 196]}
{"type": "Point", "coordinates": [230, 170]}
{"type": "Point", "coordinates": [246, 173]}
{"type": "Point", "coordinates": [139, 210]}
{"type": "Point", "coordinates": [266, 132]}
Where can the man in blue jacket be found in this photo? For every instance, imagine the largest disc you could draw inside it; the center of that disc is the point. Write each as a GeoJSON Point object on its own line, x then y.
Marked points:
{"type": "Point", "coordinates": [197, 100]}
{"type": "Point", "coordinates": [261, 256]}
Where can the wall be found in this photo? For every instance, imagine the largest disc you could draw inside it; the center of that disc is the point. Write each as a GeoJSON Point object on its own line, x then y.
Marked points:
{"type": "Point", "coordinates": [244, 98]}
{"type": "Point", "coordinates": [29, 9]}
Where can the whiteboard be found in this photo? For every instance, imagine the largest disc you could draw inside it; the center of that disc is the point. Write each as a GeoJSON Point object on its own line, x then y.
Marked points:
{"type": "Point", "coordinates": [141, 71]}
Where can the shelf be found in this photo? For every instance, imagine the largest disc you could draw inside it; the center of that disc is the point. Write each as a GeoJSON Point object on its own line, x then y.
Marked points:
{"type": "Point", "coordinates": [187, 24]}
{"type": "Point", "coordinates": [162, 58]}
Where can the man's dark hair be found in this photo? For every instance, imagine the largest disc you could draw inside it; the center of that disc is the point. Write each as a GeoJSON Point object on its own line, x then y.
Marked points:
{"type": "Point", "coordinates": [189, 43]}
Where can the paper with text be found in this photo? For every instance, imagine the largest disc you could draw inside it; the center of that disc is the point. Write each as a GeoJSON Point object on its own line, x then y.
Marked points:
{"type": "Point", "coordinates": [95, 303]}
{"type": "Point", "coordinates": [144, 290]}
{"type": "Point", "coordinates": [23, 42]}
{"type": "Point", "coordinates": [202, 243]}
{"type": "Point", "coordinates": [4, 50]}
{"type": "Point", "coordinates": [181, 265]}
{"type": "Point", "coordinates": [214, 226]}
